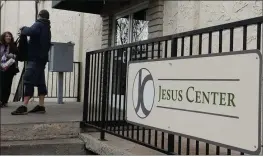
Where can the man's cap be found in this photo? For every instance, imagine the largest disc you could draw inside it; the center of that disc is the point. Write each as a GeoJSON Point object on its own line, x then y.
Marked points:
{"type": "Point", "coordinates": [44, 14]}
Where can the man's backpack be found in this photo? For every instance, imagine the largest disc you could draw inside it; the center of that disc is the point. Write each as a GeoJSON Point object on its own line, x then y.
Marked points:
{"type": "Point", "coordinates": [22, 46]}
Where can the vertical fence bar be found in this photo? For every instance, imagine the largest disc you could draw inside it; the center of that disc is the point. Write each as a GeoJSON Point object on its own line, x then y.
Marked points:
{"type": "Point", "coordinates": [179, 145]}
{"type": "Point", "coordinates": [210, 43]}
{"type": "Point", "coordinates": [47, 82]}
{"type": "Point", "coordinates": [174, 47]}
{"type": "Point", "coordinates": [258, 36]}
{"type": "Point", "coordinates": [51, 94]}
{"type": "Point", "coordinates": [65, 83]}
{"type": "Point", "coordinates": [79, 82]}
{"type": "Point", "coordinates": [101, 86]}
{"type": "Point", "coordinates": [207, 148]}
{"type": "Point", "coordinates": [138, 127]}
{"type": "Point", "coordinates": [231, 39]}
{"type": "Point", "coordinates": [220, 51]}
{"type": "Point", "coordinates": [165, 49]}
{"type": "Point", "coordinates": [155, 138]}
{"type": "Point", "coordinates": [112, 86]}
{"type": "Point", "coordinates": [200, 43]}
{"type": "Point", "coordinates": [131, 59]}
{"type": "Point", "coordinates": [170, 143]}
{"type": "Point", "coordinates": [200, 52]}
{"type": "Point", "coordinates": [162, 142]}
{"type": "Point", "coordinates": [153, 50]}
{"type": "Point", "coordinates": [56, 86]}
{"type": "Point", "coordinates": [86, 89]}
{"type": "Point", "coordinates": [104, 96]}
{"type": "Point", "coordinates": [244, 37]}
{"type": "Point", "coordinates": [108, 90]}
{"type": "Point", "coordinates": [120, 88]}
{"type": "Point", "coordinates": [116, 89]}
{"type": "Point", "coordinates": [171, 136]}
{"type": "Point", "coordinates": [92, 87]}
{"type": "Point", "coordinates": [159, 49]}
{"type": "Point", "coordinates": [191, 45]}
{"type": "Point", "coordinates": [188, 146]}
{"type": "Point", "coordinates": [124, 96]}
{"type": "Point", "coordinates": [94, 100]}
{"type": "Point", "coordinates": [182, 47]}
{"type": "Point", "coordinates": [231, 49]}
{"type": "Point", "coordinates": [147, 53]}
{"type": "Point", "coordinates": [141, 51]}
{"type": "Point", "coordinates": [74, 82]}
{"type": "Point", "coordinates": [69, 84]}
{"type": "Point", "coordinates": [220, 41]}
{"type": "Point", "coordinates": [98, 73]}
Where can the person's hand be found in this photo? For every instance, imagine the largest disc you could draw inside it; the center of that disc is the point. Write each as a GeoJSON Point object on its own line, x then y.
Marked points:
{"type": "Point", "coordinates": [19, 32]}
{"type": "Point", "coordinates": [10, 55]}
{"type": "Point", "coordinates": [20, 29]}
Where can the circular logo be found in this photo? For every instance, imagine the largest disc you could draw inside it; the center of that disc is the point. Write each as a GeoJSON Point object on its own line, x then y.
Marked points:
{"type": "Point", "coordinates": [143, 93]}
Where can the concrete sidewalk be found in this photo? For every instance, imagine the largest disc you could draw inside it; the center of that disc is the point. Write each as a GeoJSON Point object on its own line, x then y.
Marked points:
{"type": "Point", "coordinates": [60, 121]}
{"type": "Point", "coordinates": [68, 112]}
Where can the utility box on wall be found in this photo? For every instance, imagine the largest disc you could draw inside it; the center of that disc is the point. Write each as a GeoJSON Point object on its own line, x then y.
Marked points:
{"type": "Point", "coordinates": [61, 57]}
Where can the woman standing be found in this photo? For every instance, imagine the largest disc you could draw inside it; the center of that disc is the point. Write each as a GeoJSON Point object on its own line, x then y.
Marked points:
{"type": "Point", "coordinates": [9, 68]}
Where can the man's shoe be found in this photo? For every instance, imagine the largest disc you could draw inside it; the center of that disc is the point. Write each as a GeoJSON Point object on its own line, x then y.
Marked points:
{"type": "Point", "coordinates": [3, 105]}
{"type": "Point", "coordinates": [21, 110]}
{"type": "Point", "coordinates": [38, 109]}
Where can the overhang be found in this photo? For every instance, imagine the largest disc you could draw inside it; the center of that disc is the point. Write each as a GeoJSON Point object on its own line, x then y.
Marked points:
{"type": "Point", "coordinates": [86, 6]}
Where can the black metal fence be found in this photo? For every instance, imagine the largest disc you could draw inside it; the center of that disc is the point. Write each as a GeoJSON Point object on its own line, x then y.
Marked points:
{"type": "Point", "coordinates": [105, 81]}
{"type": "Point", "coordinates": [71, 84]}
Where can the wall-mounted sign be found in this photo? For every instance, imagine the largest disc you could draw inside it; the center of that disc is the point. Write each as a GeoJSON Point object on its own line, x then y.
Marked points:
{"type": "Point", "coordinates": [214, 98]}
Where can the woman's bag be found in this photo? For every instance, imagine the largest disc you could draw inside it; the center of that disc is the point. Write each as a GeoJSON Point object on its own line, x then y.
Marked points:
{"type": "Point", "coordinates": [22, 46]}
{"type": "Point", "coordinates": [6, 63]}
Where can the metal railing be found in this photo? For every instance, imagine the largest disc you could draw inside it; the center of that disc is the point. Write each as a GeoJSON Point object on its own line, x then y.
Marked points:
{"type": "Point", "coordinates": [105, 82]}
{"type": "Point", "coordinates": [71, 84]}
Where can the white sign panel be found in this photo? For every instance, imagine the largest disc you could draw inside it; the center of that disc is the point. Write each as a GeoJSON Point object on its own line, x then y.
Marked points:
{"type": "Point", "coordinates": [213, 98]}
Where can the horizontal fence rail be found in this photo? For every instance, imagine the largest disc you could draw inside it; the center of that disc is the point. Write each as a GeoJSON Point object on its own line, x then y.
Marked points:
{"type": "Point", "coordinates": [105, 82]}
{"type": "Point", "coordinates": [71, 87]}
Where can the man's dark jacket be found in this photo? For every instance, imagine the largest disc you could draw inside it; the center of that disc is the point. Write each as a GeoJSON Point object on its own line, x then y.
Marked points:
{"type": "Point", "coordinates": [40, 40]}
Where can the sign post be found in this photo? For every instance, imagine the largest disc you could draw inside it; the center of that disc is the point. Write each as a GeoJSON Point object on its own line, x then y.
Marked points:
{"type": "Point", "coordinates": [60, 88]}
{"type": "Point", "coordinates": [60, 61]}
{"type": "Point", "coordinates": [213, 98]}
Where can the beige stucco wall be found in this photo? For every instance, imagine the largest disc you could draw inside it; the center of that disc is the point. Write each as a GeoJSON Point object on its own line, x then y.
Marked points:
{"type": "Point", "coordinates": [84, 30]}
{"type": "Point", "coordinates": [178, 16]}
{"type": "Point", "coordinates": [181, 16]}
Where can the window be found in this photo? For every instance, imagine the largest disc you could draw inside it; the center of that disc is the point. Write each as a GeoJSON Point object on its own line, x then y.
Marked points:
{"type": "Point", "coordinates": [139, 26]}
{"type": "Point", "coordinates": [130, 26]}
{"type": "Point", "coordinates": [122, 30]}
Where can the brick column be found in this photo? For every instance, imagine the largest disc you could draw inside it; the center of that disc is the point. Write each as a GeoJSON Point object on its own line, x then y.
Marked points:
{"type": "Point", "coordinates": [155, 15]}
{"type": "Point", "coordinates": [106, 31]}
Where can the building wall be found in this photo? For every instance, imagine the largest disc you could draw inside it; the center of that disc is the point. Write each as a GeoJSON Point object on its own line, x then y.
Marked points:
{"type": "Point", "coordinates": [170, 17]}
{"type": "Point", "coordinates": [84, 30]}
{"type": "Point", "coordinates": [181, 16]}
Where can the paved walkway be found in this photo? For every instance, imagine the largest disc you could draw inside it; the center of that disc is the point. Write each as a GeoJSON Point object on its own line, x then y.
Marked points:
{"type": "Point", "coordinates": [68, 112]}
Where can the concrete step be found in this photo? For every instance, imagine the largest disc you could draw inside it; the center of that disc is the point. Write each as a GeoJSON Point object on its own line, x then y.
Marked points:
{"type": "Point", "coordinates": [39, 131]}
{"type": "Point", "coordinates": [72, 146]}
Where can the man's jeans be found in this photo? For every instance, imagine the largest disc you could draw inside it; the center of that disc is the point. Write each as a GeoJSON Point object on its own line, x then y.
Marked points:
{"type": "Point", "coordinates": [35, 77]}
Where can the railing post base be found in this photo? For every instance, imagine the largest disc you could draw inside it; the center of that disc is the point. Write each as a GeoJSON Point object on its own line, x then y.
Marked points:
{"type": "Point", "coordinates": [102, 136]}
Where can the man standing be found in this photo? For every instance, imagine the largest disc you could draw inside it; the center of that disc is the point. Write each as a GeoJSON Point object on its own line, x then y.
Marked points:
{"type": "Point", "coordinates": [38, 49]}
